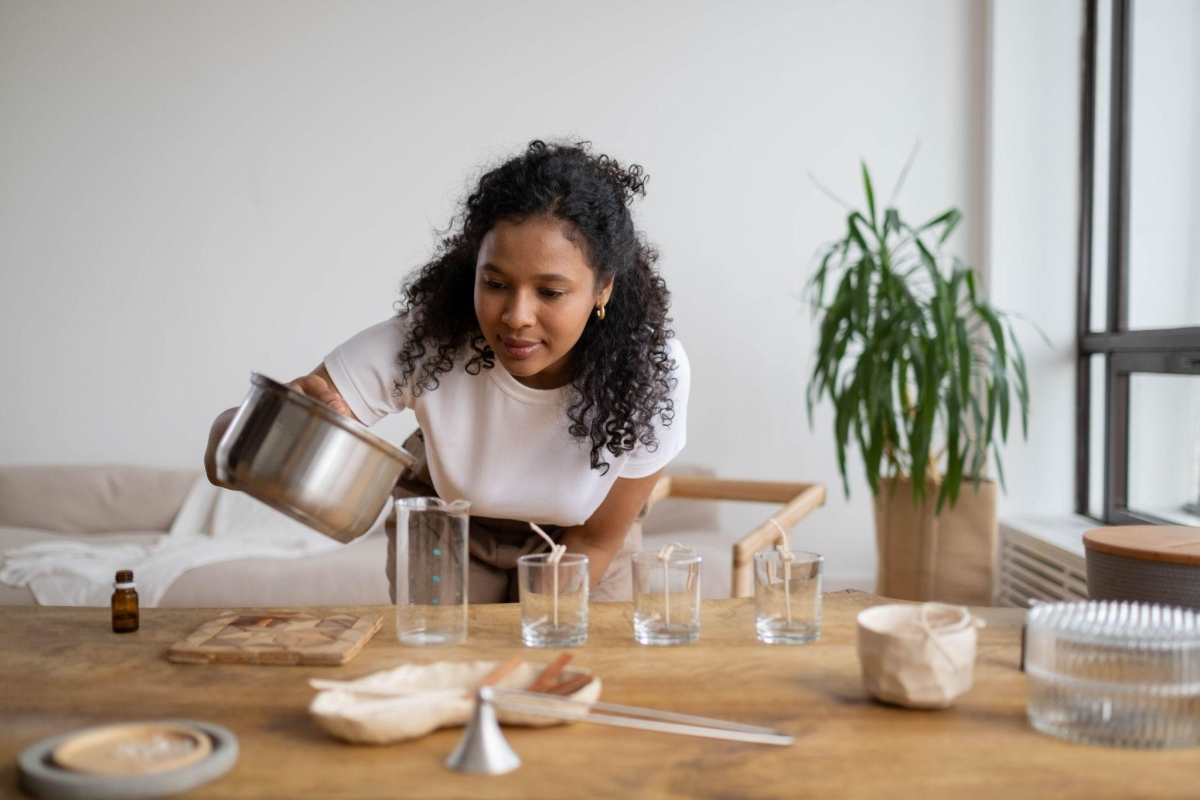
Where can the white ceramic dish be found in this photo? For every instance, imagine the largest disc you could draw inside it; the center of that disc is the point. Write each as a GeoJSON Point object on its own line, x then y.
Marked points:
{"type": "Point", "coordinates": [441, 696]}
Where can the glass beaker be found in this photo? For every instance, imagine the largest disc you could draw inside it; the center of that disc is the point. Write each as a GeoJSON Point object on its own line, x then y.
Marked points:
{"type": "Point", "coordinates": [431, 571]}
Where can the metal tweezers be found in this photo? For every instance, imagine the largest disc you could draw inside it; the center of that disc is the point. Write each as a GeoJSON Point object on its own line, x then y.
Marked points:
{"type": "Point", "coordinates": [648, 719]}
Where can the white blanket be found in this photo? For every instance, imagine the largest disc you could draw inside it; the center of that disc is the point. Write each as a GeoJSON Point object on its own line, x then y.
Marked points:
{"type": "Point", "coordinates": [214, 525]}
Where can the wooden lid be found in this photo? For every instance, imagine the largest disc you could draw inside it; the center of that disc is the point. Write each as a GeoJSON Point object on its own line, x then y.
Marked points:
{"type": "Point", "coordinates": [1175, 544]}
{"type": "Point", "coordinates": [134, 749]}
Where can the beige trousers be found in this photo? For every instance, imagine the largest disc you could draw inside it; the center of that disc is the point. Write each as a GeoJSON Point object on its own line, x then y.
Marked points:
{"type": "Point", "coordinates": [496, 544]}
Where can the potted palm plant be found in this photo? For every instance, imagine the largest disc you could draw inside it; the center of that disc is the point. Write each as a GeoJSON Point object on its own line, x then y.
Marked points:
{"type": "Point", "coordinates": [922, 373]}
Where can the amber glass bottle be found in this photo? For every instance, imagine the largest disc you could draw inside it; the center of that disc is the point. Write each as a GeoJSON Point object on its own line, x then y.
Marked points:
{"type": "Point", "coordinates": [125, 603]}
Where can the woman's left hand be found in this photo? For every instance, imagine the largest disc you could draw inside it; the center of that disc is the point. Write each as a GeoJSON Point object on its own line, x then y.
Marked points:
{"type": "Point", "coordinates": [601, 537]}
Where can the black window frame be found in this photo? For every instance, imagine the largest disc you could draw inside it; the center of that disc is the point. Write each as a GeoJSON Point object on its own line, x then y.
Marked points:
{"type": "Point", "coordinates": [1168, 351]}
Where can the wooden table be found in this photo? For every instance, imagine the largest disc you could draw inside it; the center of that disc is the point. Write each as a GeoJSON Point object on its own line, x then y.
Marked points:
{"type": "Point", "coordinates": [62, 669]}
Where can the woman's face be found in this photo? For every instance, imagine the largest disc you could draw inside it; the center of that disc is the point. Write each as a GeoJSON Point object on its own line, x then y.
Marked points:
{"type": "Point", "coordinates": [534, 293]}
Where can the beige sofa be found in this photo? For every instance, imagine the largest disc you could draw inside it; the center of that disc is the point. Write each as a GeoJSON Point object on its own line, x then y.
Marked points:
{"type": "Point", "coordinates": [134, 505]}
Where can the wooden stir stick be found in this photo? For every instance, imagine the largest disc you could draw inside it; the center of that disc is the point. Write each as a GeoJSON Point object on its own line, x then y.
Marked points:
{"type": "Point", "coordinates": [501, 671]}
{"type": "Point", "coordinates": [550, 674]}
{"type": "Point", "coordinates": [570, 685]}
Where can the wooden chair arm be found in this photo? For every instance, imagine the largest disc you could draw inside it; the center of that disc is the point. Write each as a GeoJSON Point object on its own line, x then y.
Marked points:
{"type": "Point", "coordinates": [661, 489]}
{"type": "Point", "coordinates": [799, 500]}
{"type": "Point", "coordinates": [730, 489]}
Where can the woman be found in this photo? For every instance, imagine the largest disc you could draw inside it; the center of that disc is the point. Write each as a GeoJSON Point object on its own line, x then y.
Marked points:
{"type": "Point", "coordinates": [535, 352]}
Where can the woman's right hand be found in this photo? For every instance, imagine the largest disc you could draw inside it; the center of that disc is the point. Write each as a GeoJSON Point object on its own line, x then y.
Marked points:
{"type": "Point", "coordinates": [319, 386]}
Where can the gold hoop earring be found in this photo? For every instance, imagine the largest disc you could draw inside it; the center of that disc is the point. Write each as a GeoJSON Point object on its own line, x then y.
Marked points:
{"type": "Point", "coordinates": [599, 312]}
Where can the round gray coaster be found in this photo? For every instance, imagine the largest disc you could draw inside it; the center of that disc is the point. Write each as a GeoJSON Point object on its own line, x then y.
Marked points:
{"type": "Point", "coordinates": [41, 777]}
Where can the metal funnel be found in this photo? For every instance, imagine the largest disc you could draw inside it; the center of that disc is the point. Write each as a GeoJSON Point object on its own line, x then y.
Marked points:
{"type": "Point", "coordinates": [483, 749]}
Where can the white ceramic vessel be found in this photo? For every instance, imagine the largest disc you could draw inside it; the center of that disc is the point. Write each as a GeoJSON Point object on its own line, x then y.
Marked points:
{"type": "Point", "coordinates": [917, 656]}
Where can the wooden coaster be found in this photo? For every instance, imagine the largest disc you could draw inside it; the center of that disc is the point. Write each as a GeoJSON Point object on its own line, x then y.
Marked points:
{"type": "Point", "coordinates": [277, 637]}
{"type": "Point", "coordinates": [138, 749]}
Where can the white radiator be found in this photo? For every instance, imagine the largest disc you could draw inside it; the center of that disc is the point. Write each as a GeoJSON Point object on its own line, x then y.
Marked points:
{"type": "Point", "coordinates": [1042, 560]}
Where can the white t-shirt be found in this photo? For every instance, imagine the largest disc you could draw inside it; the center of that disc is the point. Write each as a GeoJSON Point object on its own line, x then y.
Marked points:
{"type": "Point", "coordinates": [494, 441]}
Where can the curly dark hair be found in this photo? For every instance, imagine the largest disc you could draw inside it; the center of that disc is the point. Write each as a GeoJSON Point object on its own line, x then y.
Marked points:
{"type": "Point", "coordinates": [621, 367]}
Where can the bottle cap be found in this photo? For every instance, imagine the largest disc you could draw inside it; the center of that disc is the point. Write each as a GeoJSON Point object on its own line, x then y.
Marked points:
{"type": "Point", "coordinates": [124, 576]}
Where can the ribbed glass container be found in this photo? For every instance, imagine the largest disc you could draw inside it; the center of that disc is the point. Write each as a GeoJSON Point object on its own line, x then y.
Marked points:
{"type": "Point", "coordinates": [1123, 674]}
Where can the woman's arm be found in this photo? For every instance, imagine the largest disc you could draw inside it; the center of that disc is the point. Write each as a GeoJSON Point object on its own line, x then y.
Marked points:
{"type": "Point", "coordinates": [317, 385]}
{"type": "Point", "coordinates": [601, 537]}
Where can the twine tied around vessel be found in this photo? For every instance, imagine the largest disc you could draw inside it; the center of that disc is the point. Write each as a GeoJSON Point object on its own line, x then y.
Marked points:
{"type": "Point", "coordinates": [932, 631]}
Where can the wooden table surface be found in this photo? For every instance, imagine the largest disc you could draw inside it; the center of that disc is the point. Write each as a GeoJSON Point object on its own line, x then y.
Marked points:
{"type": "Point", "coordinates": [62, 669]}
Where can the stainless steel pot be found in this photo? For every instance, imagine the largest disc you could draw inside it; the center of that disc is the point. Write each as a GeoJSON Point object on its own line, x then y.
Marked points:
{"type": "Point", "coordinates": [304, 459]}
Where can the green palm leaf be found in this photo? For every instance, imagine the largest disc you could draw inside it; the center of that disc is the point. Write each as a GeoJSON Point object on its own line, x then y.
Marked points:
{"type": "Point", "coordinates": [921, 370]}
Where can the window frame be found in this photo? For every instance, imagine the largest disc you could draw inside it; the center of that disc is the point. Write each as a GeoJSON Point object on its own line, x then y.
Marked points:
{"type": "Point", "coordinates": [1168, 351]}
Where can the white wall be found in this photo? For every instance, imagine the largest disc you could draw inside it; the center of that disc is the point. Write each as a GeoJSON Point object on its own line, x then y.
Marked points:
{"type": "Point", "coordinates": [193, 190]}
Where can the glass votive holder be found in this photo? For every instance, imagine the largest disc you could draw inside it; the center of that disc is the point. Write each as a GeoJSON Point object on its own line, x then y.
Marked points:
{"type": "Point", "coordinates": [666, 597]}
{"type": "Point", "coordinates": [554, 599]}
{"type": "Point", "coordinates": [787, 597]}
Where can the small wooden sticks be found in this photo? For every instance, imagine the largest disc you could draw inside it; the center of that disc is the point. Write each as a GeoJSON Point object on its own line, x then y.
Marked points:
{"type": "Point", "coordinates": [502, 671]}
{"type": "Point", "coordinates": [570, 685]}
{"type": "Point", "coordinates": [550, 674]}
